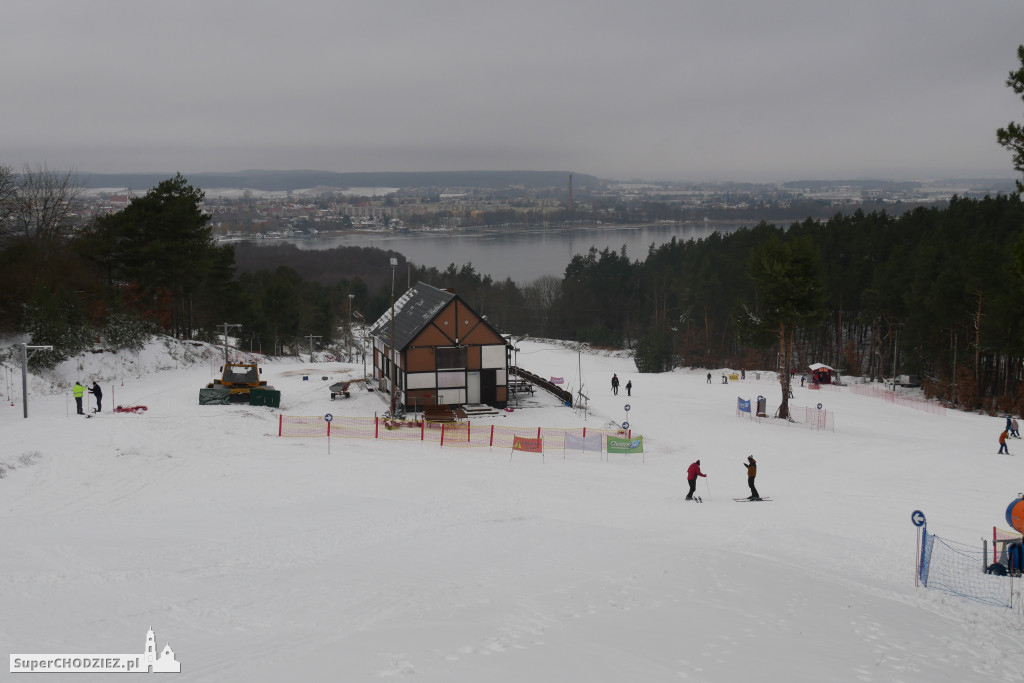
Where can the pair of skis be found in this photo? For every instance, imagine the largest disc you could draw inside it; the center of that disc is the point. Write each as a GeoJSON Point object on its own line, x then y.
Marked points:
{"type": "Point", "coordinates": [698, 499]}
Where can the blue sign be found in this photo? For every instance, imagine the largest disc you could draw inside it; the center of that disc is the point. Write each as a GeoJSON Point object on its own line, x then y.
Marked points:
{"type": "Point", "coordinates": [625, 425]}
{"type": "Point", "coordinates": [819, 406]}
{"type": "Point", "coordinates": [328, 417]}
{"type": "Point", "coordinates": [743, 405]}
{"type": "Point", "coordinates": [627, 407]}
{"type": "Point", "coordinates": [917, 517]}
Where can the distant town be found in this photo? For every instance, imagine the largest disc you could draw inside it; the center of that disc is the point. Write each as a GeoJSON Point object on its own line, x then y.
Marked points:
{"type": "Point", "coordinates": [241, 213]}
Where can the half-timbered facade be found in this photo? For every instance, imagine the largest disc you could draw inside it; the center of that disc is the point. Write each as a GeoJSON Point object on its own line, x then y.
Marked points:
{"type": "Point", "coordinates": [441, 352]}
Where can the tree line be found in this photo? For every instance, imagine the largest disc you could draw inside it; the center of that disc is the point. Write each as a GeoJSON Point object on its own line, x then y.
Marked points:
{"type": "Point", "coordinates": [935, 291]}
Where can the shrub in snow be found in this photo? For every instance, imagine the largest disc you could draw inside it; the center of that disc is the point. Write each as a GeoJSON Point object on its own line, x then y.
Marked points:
{"type": "Point", "coordinates": [125, 331]}
{"type": "Point", "coordinates": [58, 321]}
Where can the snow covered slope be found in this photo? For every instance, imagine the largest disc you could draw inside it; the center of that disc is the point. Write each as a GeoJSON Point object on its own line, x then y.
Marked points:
{"type": "Point", "coordinates": [260, 558]}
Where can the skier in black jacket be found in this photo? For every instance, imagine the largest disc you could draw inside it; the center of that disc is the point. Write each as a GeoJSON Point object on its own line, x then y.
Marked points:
{"type": "Point", "coordinates": [98, 393]}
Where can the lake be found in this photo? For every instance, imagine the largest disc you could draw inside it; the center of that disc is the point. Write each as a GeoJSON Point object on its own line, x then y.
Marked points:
{"type": "Point", "coordinates": [522, 256]}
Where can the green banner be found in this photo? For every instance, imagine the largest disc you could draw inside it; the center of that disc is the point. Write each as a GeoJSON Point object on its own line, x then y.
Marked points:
{"type": "Point", "coordinates": [616, 444]}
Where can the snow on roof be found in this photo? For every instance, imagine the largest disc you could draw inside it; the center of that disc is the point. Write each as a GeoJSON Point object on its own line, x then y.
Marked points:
{"type": "Point", "coordinates": [820, 366]}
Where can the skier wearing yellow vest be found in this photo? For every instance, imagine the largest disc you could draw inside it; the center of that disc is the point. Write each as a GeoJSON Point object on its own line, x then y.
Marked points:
{"type": "Point", "coordinates": [78, 390]}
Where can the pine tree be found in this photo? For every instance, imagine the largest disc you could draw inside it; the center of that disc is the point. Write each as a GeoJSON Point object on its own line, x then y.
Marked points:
{"type": "Point", "coordinates": [1012, 137]}
{"type": "Point", "coordinates": [790, 295]}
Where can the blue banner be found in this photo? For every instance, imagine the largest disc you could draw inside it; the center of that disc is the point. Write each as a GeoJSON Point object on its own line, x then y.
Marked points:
{"type": "Point", "coordinates": [743, 405]}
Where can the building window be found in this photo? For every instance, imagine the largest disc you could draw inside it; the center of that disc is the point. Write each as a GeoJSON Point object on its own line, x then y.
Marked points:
{"type": "Point", "coordinates": [451, 357]}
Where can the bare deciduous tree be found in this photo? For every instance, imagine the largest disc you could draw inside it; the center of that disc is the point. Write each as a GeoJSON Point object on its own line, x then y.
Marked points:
{"type": "Point", "coordinates": [40, 206]}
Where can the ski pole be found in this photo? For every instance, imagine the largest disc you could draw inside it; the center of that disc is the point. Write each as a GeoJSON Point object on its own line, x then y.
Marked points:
{"type": "Point", "coordinates": [708, 487]}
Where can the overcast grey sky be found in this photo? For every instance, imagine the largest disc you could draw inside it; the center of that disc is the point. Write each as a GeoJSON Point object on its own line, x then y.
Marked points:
{"type": "Point", "coordinates": [653, 89]}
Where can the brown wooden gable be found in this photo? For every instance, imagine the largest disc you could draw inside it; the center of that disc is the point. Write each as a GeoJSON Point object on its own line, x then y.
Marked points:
{"type": "Point", "coordinates": [456, 324]}
{"type": "Point", "coordinates": [432, 335]}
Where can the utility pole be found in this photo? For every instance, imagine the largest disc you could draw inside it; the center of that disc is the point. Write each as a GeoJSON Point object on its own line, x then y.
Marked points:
{"type": "Point", "coordinates": [311, 338]}
{"type": "Point", "coordinates": [350, 336]}
{"type": "Point", "coordinates": [391, 343]}
{"type": "Point", "coordinates": [227, 326]}
{"type": "Point", "coordinates": [24, 372]}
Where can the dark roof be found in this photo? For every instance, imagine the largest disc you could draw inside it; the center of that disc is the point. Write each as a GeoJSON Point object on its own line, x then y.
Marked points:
{"type": "Point", "coordinates": [413, 311]}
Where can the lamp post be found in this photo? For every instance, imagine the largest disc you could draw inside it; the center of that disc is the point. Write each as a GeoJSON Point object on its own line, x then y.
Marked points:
{"type": "Point", "coordinates": [350, 298]}
{"type": "Point", "coordinates": [515, 349]}
{"type": "Point", "coordinates": [895, 352]}
{"type": "Point", "coordinates": [227, 327]}
{"type": "Point", "coordinates": [672, 356]}
{"type": "Point", "coordinates": [393, 369]}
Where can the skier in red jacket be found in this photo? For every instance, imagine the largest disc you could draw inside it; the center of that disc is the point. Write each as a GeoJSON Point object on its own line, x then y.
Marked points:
{"type": "Point", "coordinates": [691, 477]}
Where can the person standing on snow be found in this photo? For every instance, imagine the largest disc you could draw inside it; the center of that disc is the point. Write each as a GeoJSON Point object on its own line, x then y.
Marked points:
{"type": "Point", "coordinates": [615, 384]}
{"type": "Point", "coordinates": [629, 388]}
{"type": "Point", "coordinates": [691, 478]}
{"type": "Point", "coordinates": [709, 378]}
{"type": "Point", "coordinates": [78, 391]}
{"type": "Point", "coordinates": [1013, 429]}
{"type": "Point", "coordinates": [751, 466]}
{"type": "Point", "coordinates": [98, 393]}
{"type": "Point", "coordinates": [1002, 443]}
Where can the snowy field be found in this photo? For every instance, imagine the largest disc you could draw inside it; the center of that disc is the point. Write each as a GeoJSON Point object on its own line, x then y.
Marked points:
{"type": "Point", "coordinates": [259, 558]}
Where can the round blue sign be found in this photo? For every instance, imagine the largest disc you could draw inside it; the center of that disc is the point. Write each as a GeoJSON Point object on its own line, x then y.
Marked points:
{"type": "Point", "coordinates": [819, 406]}
{"type": "Point", "coordinates": [625, 425]}
{"type": "Point", "coordinates": [917, 517]}
{"type": "Point", "coordinates": [328, 417]}
{"type": "Point", "coordinates": [627, 407]}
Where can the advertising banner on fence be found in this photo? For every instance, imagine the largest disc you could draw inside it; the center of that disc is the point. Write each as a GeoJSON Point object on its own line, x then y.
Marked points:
{"type": "Point", "coordinates": [591, 443]}
{"type": "Point", "coordinates": [743, 405]}
{"type": "Point", "coordinates": [617, 444]}
{"type": "Point", "coordinates": [528, 445]}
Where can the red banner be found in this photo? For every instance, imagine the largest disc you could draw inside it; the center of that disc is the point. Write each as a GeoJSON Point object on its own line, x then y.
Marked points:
{"type": "Point", "coordinates": [528, 445]}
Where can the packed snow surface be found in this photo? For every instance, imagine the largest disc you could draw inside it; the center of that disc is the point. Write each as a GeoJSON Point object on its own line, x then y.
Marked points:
{"type": "Point", "coordinates": [261, 558]}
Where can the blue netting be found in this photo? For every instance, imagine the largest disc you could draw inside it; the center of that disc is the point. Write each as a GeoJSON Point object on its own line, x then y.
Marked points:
{"type": "Point", "coordinates": [959, 569]}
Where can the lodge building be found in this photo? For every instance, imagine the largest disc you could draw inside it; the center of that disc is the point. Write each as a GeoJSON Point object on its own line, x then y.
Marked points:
{"type": "Point", "coordinates": [442, 352]}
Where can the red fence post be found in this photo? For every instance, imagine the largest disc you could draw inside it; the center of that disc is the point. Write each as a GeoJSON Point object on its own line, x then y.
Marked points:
{"type": "Point", "coordinates": [280, 423]}
{"type": "Point", "coordinates": [491, 444]}
{"type": "Point", "coordinates": [442, 435]}
{"type": "Point", "coordinates": [376, 427]}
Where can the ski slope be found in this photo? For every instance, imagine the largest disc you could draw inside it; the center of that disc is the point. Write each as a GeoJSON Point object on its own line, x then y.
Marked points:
{"type": "Point", "coordinates": [259, 558]}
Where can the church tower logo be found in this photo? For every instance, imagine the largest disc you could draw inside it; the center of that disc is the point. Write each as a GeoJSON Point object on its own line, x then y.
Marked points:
{"type": "Point", "coordinates": [162, 663]}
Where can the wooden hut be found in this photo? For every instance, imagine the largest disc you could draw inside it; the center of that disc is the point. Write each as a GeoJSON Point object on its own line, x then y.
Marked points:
{"type": "Point", "coordinates": [822, 374]}
{"type": "Point", "coordinates": [443, 352]}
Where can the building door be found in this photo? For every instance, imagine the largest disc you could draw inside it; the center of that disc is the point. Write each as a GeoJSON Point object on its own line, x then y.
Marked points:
{"type": "Point", "coordinates": [489, 386]}
{"type": "Point", "coordinates": [473, 387]}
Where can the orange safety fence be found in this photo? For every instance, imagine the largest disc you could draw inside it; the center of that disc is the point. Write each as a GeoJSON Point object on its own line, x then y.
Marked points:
{"type": "Point", "coordinates": [454, 434]}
